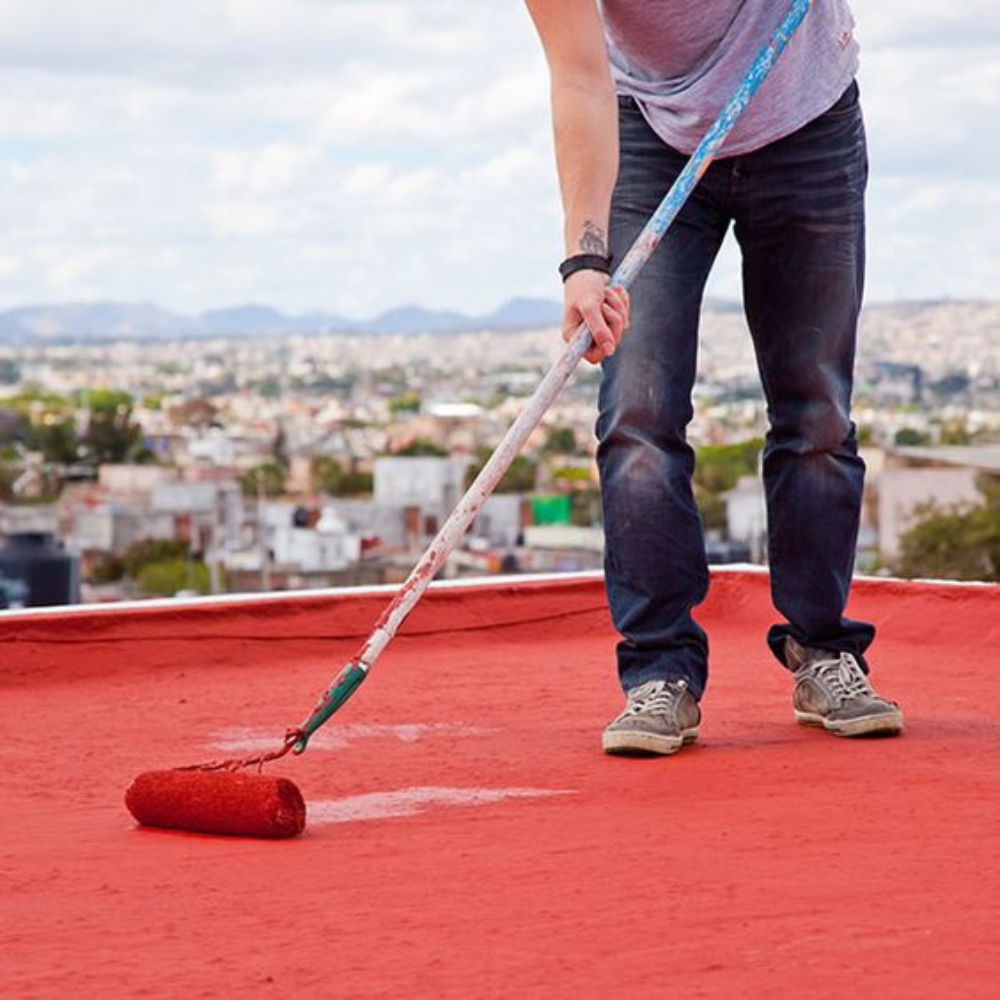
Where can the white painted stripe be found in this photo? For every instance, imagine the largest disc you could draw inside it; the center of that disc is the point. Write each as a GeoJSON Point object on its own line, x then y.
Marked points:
{"type": "Point", "coordinates": [413, 801]}
{"type": "Point", "coordinates": [240, 739]}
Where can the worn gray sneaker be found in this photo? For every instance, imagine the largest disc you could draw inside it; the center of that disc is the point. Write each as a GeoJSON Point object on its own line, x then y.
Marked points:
{"type": "Point", "coordinates": [659, 718]}
{"type": "Point", "coordinates": [832, 691]}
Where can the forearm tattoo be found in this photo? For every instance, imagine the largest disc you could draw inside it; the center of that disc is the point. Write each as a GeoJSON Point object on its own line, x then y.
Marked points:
{"type": "Point", "coordinates": [593, 239]}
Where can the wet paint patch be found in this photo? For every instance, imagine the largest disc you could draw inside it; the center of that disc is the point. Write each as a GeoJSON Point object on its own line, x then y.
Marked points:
{"type": "Point", "coordinates": [414, 801]}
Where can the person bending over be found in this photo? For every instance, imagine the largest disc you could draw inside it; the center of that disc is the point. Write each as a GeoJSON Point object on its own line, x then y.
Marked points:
{"type": "Point", "coordinates": [635, 84]}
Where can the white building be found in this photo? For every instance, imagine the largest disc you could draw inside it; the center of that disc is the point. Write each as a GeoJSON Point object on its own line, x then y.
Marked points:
{"type": "Point", "coordinates": [327, 546]}
{"type": "Point", "coordinates": [384, 523]}
{"type": "Point", "coordinates": [114, 527]}
{"type": "Point", "coordinates": [943, 475]}
{"type": "Point", "coordinates": [212, 514]}
{"type": "Point", "coordinates": [134, 480]}
{"type": "Point", "coordinates": [746, 515]}
{"type": "Point", "coordinates": [500, 523]}
{"type": "Point", "coordinates": [431, 484]}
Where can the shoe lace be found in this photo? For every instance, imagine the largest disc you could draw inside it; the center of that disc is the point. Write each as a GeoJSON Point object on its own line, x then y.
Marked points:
{"type": "Point", "coordinates": [658, 700]}
{"type": "Point", "coordinates": [843, 676]}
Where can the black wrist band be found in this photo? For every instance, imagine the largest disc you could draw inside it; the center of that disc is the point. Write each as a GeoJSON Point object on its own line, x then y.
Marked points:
{"type": "Point", "coordinates": [584, 262]}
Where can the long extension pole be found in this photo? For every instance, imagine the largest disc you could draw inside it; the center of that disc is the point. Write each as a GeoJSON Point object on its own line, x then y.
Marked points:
{"type": "Point", "coordinates": [348, 680]}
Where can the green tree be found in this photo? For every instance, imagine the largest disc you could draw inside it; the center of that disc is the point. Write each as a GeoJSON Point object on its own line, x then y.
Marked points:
{"type": "Point", "coordinates": [266, 480]}
{"type": "Point", "coordinates": [712, 507]}
{"type": "Point", "coordinates": [405, 402]}
{"type": "Point", "coordinates": [150, 550]}
{"type": "Point", "coordinates": [137, 557]}
{"type": "Point", "coordinates": [585, 507]}
{"type": "Point", "coordinates": [569, 475]}
{"type": "Point", "coordinates": [108, 569]}
{"type": "Point", "coordinates": [955, 541]}
{"type": "Point", "coordinates": [561, 441]}
{"type": "Point", "coordinates": [519, 478]}
{"type": "Point", "coordinates": [717, 470]}
{"type": "Point", "coordinates": [422, 446]}
{"type": "Point", "coordinates": [34, 398]}
{"type": "Point", "coordinates": [327, 475]}
{"type": "Point", "coordinates": [330, 477]}
{"type": "Point", "coordinates": [111, 435]}
{"type": "Point", "coordinates": [55, 438]}
{"type": "Point", "coordinates": [356, 483]}
{"type": "Point", "coordinates": [719, 466]}
{"type": "Point", "coordinates": [46, 424]}
{"type": "Point", "coordinates": [910, 437]}
{"type": "Point", "coordinates": [167, 577]}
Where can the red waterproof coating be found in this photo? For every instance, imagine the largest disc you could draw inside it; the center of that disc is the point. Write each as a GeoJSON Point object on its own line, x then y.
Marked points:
{"type": "Point", "coordinates": [243, 805]}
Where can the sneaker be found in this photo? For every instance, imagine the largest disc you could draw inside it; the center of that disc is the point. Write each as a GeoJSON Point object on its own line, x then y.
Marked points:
{"type": "Point", "coordinates": [660, 717]}
{"type": "Point", "coordinates": [832, 691]}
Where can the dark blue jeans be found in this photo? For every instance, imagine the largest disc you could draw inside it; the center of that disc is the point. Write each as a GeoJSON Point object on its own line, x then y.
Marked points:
{"type": "Point", "coordinates": [797, 206]}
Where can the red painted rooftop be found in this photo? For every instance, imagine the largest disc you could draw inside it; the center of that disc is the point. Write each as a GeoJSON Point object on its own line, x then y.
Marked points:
{"type": "Point", "coordinates": [467, 837]}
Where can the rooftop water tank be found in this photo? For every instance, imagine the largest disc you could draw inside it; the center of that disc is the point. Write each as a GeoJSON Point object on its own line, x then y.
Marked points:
{"type": "Point", "coordinates": [36, 571]}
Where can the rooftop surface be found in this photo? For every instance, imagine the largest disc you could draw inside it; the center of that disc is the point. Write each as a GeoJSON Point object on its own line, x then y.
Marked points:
{"type": "Point", "coordinates": [466, 837]}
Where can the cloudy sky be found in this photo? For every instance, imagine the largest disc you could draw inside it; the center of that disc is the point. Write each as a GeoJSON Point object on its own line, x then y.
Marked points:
{"type": "Point", "coordinates": [353, 155]}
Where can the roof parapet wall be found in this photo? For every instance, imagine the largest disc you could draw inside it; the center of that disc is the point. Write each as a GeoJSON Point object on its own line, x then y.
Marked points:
{"type": "Point", "coordinates": [929, 612]}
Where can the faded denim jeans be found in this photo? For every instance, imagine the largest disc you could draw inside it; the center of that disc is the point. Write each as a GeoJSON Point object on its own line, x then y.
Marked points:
{"type": "Point", "coordinates": [797, 206]}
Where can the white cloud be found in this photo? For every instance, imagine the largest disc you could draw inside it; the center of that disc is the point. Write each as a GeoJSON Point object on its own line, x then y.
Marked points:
{"type": "Point", "coordinates": [76, 269]}
{"type": "Point", "coordinates": [927, 24]}
{"type": "Point", "coordinates": [357, 154]}
{"type": "Point", "coordinates": [271, 170]}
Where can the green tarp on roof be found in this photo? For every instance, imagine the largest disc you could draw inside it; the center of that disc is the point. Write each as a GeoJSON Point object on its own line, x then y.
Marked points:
{"type": "Point", "coordinates": [554, 509]}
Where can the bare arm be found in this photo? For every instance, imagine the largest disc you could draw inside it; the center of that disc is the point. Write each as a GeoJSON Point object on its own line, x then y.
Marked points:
{"type": "Point", "coordinates": [585, 123]}
{"type": "Point", "coordinates": [584, 117]}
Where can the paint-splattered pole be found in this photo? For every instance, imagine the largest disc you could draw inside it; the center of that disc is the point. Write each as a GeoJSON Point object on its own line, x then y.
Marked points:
{"type": "Point", "coordinates": [469, 506]}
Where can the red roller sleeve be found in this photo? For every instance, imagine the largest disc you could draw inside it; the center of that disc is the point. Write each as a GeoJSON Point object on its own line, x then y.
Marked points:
{"type": "Point", "coordinates": [246, 805]}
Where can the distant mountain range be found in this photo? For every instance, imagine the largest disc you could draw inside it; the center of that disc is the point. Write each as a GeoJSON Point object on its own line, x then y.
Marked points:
{"type": "Point", "coordinates": [112, 321]}
{"type": "Point", "coordinates": [108, 321]}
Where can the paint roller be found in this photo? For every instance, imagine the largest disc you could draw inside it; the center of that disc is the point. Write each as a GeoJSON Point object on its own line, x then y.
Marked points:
{"type": "Point", "coordinates": [240, 804]}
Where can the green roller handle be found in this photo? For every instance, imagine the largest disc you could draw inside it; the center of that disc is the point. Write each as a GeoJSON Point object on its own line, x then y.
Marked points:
{"type": "Point", "coordinates": [347, 682]}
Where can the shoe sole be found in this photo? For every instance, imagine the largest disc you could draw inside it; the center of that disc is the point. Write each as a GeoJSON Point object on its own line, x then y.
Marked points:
{"type": "Point", "coordinates": [890, 724]}
{"type": "Point", "coordinates": [636, 744]}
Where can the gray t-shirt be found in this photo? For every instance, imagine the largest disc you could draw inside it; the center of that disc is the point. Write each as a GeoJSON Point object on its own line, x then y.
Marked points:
{"type": "Point", "coordinates": [682, 59]}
